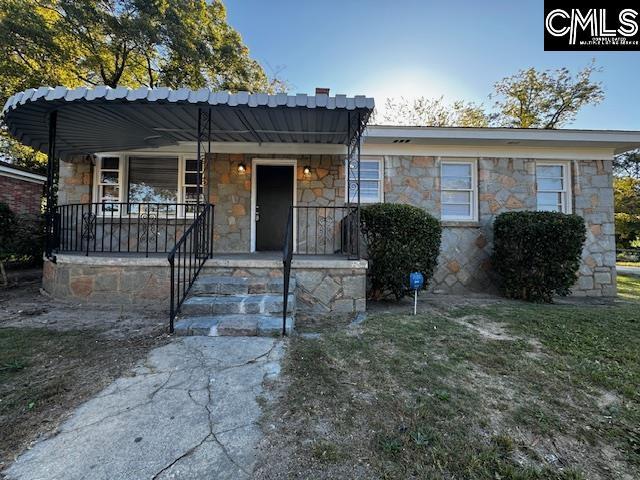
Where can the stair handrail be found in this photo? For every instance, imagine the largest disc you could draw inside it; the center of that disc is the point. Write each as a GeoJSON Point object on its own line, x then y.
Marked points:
{"type": "Point", "coordinates": [287, 255]}
{"type": "Point", "coordinates": [195, 246]}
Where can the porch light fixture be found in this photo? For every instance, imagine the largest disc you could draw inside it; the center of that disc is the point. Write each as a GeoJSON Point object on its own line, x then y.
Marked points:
{"type": "Point", "coordinates": [306, 171]}
{"type": "Point", "coordinates": [242, 168]}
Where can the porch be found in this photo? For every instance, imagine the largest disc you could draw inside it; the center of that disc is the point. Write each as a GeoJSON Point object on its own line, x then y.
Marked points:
{"type": "Point", "coordinates": [122, 217]}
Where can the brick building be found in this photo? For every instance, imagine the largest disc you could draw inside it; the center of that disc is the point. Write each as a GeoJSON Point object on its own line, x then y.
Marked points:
{"type": "Point", "coordinates": [21, 189]}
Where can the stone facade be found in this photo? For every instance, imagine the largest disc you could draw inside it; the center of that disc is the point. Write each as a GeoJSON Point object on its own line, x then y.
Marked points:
{"type": "Point", "coordinates": [104, 281]}
{"type": "Point", "coordinates": [231, 193]}
{"type": "Point", "coordinates": [75, 180]}
{"type": "Point", "coordinates": [504, 184]}
{"type": "Point", "coordinates": [507, 184]}
{"type": "Point", "coordinates": [321, 287]}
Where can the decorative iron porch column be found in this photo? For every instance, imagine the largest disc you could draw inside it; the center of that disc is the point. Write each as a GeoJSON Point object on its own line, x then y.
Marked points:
{"type": "Point", "coordinates": [50, 188]}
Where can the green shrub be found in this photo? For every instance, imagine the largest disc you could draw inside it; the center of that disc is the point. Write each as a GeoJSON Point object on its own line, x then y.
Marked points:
{"type": "Point", "coordinates": [537, 254]}
{"type": "Point", "coordinates": [400, 239]}
{"type": "Point", "coordinates": [21, 237]}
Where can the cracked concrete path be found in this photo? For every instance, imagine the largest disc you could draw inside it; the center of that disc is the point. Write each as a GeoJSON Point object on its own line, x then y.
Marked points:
{"type": "Point", "coordinates": [189, 412]}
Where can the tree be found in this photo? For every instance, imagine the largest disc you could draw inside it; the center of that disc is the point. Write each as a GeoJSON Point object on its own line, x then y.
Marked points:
{"type": "Point", "coordinates": [548, 99]}
{"type": "Point", "coordinates": [133, 43]}
{"type": "Point", "coordinates": [627, 164]}
{"type": "Point", "coordinates": [433, 112]}
{"type": "Point", "coordinates": [626, 191]}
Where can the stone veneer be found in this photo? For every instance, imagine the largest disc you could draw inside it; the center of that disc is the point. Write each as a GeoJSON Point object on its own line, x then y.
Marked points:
{"type": "Point", "coordinates": [231, 193]}
{"type": "Point", "coordinates": [507, 184]}
{"type": "Point", "coordinates": [321, 286]}
{"type": "Point", "coordinates": [111, 281]}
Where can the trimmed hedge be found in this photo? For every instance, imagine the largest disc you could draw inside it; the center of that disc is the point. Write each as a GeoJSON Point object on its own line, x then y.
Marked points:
{"type": "Point", "coordinates": [537, 254]}
{"type": "Point", "coordinates": [400, 239]}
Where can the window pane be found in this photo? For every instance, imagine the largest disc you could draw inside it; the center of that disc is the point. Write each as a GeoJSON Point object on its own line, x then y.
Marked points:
{"type": "Point", "coordinates": [550, 184]}
{"type": "Point", "coordinates": [109, 177]}
{"type": "Point", "coordinates": [369, 181]}
{"type": "Point", "coordinates": [456, 210]}
{"type": "Point", "coordinates": [110, 163]}
{"type": "Point", "coordinates": [549, 208]}
{"type": "Point", "coordinates": [110, 193]}
{"type": "Point", "coordinates": [456, 170]}
{"type": "Point", "coordinates": [547, 198]}
{"type": "Point", "coordinates": [153, 179]}
{"type": "Point", "coordinates": [191, 194]}
{"type": "Point", "coordinates": [461, 183]}
{"type": "Point", "coordinates": [192, 165]}
{"type": "Point", "coordinates": [191, 179]}
{"type": "Point", "coordinates": [549, 171]}
{"type": "Point", "coordinates": [456, 197]}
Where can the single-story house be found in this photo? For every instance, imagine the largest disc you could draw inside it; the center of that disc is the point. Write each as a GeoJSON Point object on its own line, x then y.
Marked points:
{"type": "Point", "coordinates": [21, 189]}
{"type": "Point", "coordinates": [230, 185]}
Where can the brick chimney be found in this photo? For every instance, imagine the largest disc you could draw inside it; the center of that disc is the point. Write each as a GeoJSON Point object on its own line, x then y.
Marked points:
{"type": "Point", "coordinates": [322, 91]}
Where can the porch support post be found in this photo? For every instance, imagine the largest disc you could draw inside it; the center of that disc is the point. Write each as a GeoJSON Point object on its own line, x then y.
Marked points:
{"type": "Point", "coordinates": [358, 138]}
{"type": "Point", "coordinates": [51, 190]}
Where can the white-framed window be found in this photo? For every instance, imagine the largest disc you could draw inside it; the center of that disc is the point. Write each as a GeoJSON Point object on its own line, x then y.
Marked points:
{"type": "Point", "coordinates": [109, 182]}
{"type": "Point", "coordinates": [458, 190]}
{"type": "Point", "coordinates": [371, 180]}
{"type": "Point", "coordinates": [553, 186]}
{"type": "Point", "coordinates": [147, 178]}
{"type": "Point", "coordinates": [190, 182]}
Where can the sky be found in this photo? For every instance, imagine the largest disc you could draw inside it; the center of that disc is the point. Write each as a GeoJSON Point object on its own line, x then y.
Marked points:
{"type": "Point", "coordinates": [410, 48]}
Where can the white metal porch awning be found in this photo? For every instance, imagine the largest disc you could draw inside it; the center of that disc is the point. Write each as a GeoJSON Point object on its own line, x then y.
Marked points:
{"type": "Point", "coordinates": [101, 119]}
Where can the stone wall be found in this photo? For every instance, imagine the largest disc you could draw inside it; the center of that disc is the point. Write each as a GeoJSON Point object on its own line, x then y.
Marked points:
{"type": "Point", "coordinates": [320, 287]}
{"type": "Point", "coordinates": [331, 286]}
{"type": "Point", "coordinates": [231, 193]}
{"type": "Point", "coordinates": [593, 200]}
{"type": "Point", "coordinates": [507, 184]}
{"type": "Point", "coordinates": [109, 281]}
{"type": "Point", "coordinates": [74, 183]}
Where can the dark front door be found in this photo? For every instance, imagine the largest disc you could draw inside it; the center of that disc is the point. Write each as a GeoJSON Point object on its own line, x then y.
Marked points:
{"type": "Point", "coordinates": [274, 196]}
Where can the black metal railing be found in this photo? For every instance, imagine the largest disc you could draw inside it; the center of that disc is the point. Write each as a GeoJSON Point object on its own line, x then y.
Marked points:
{"type": "Point", "coordinates": [187, 257]}
{"type": "Point", "coordinates": [287, 255]}
{"type": "Point", "coordinates": [326, 230]}
{"type": "Point", "coordinates": [140, 228]}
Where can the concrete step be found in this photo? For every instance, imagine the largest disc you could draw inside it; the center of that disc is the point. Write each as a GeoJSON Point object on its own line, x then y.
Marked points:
{"type": "Point", "coordinates": [220, 285]}
{"type": "Point", "coordinates": [233, 325]}
{"type": "Point", "coordinates": [236, 304]}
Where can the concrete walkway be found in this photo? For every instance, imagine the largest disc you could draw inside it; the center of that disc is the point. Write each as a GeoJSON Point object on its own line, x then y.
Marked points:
{"type": "Point", "coordinates": [189, 412]}
{"type": "Point", "coordinates": [628, 270]}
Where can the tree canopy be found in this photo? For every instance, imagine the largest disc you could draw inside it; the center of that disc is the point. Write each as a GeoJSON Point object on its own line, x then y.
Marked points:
{"type": "Point", "coordinates": [133, 43]}
{"type": "Point", "coordinates": [436, 112]}
{"type": "Point", "coordinates": [528, 99]}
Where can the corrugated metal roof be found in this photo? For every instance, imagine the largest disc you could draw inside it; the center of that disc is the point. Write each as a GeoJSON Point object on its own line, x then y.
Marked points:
{"type": "Point", "coordinates": [111, 119]}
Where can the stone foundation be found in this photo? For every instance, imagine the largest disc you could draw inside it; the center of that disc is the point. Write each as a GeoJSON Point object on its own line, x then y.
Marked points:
{"type": "Point", "coordinates": [140, 282]}
{"type": "Point", "coordinates": [322, 286]}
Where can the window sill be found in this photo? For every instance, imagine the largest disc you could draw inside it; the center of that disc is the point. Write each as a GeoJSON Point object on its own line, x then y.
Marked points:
{"type": "Point", "coordinates": [460, 223]}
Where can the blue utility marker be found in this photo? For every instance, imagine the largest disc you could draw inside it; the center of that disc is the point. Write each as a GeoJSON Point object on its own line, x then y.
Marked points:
{"type": "Point", "coordinates": [416, 282]}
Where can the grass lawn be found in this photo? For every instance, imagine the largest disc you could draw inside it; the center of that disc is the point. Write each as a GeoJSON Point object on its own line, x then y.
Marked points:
{"type": "Point", "coordinates": [45, 373]}
{"type": "Point", "coordinates": [628, 264]}
{"type": "Point", "coordinates": [505, 390]}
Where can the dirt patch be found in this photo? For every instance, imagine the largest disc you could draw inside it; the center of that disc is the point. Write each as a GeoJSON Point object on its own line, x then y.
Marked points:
{"type": "Point", "coordinates": [54, 355]}
{"type": "Point", "coordinates": [27, 306]}
{"type": "Point", "coordinates": [485, 328]}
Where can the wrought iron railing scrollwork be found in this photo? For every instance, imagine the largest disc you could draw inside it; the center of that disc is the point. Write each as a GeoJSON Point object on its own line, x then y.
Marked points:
{"type": "Point", "coordinates": [130, 228]}
{"type": "Point", "coordinates": [326, 230]}
{"type": "Point", "coordinates": [187, 258]}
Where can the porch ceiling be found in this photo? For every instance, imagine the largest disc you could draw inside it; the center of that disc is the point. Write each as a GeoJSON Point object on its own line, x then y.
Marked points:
{"type": "Point", "coordinates": [112, 119]}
